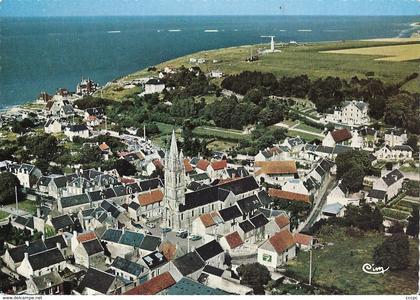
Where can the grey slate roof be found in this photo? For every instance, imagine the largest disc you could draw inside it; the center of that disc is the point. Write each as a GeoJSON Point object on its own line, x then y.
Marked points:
{"type": "Point", "coordinates": [150, 243]}
{"type": "Point", "coordinates": [96, 280]}
{"type": "Point", "coordinates": [74, 200]}
{"type": "Point", "coordinates": [249, 204]}
{"type": "Point", "coordinates": [154, 260]}
{"type": "Point", "coordinates": [93, 247]}
{"type": "Point", "coordinates": [45, 259]}
{"type": "Point", "coordinates": [230, 213]}
{"type": "Point", "coordinates": [392, 177]}
{"type": "Point", "coordinates": [127, 266]}
{"type": "Point", "coordinates": [189, 263]}
{"type": "Point", "coordinates": [62, 222]}
{"type": "Point", "coordinates": [259, 220]}
{"type": "Point", "coordinates": [377, 194]}
{"type": "Point", "coordinates": [209, 250]}
{"type": "Point", "coordinates": [246, 226]}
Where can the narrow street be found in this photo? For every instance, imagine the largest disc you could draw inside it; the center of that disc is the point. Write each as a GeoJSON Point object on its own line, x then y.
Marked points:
{"type": "Point", "coordinates": [318, 205]}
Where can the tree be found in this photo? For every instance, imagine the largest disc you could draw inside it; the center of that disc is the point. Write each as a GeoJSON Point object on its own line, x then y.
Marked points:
{"type": "Point", "coordinates": [8, 182]}
{"type": "Point", "coordinates": [353, 179]}
{"type": "Point", "coordinates": [412, 141]}
{"type": "Point", "coordinates": [364, 217]}
{"type": "Point", "coordinates": [393, 253]}
{"type": "Point", "coordinates": [255, 276]}
{"type": "Point", "coordinates": [123, 167]}
{"type": "Point", "coordinates": [413, 222]}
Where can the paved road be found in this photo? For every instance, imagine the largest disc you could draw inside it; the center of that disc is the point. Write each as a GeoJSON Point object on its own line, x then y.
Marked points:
{"type": "Point", "coordinates": [171, 237]}
{"type": "Point", "coordinates": [319, 204]}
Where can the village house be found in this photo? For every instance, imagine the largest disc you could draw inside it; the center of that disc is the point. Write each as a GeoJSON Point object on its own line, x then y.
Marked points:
{"type": "Point", "coordinates": [52, 126]}
{"type": "Point", "coordinates": [189, 265]}
{"type": "Point", "coordinates": [303, 241]}
{"type": "Point", "coordinates": [153, 86]}
{"type": "Point", "coordinates": [279, 223]}
{"type": "Point", "coordinates": [333, 209]}
{"type": "Point", "coordinates": [270, 154]}
{"type": "Point", "coordinates": [275, 172]}
{"type": "Point", "coordinates": [88, 253]}
{"type": "Point", "coordinates": [398, 152]}
{"type": "Point", "coordinates": [391, 183]}
{"type": "Point", "coordinates": [395, 137]}
{"type": "Point", "coordinates": [73, 131]}
{"type": "Point", "coordinates": [129, 270]}
{"type": "Point", "coordinates": [49, 284]}
{"type": "Point", "coordinates": [231, 242]}
{"type": "Point", "coordinates": [337, 137]}
{"type": "Point", "coordinates": [86, 87]}
{"type": "Point", "coordinates": [352, 113]}
{"type": "Point", "coordinates": [277, 250]}
{"type": "Point", "coordinates": [156, 264]}
{"type": "Point", "coordinates": [97, 282]}
{"type": "Point", "coordinates": [289, 196]}
{"type": "Point", "coordinates": [26, 173]}
{"type": "Point", "coordinates": [155, 286]}
{"type": "Point", "coordinates": [13, 257]}
{"type": "Point", "coordinates": [212, 253]}
{"type": "Point", "coordinates": [42, 263]}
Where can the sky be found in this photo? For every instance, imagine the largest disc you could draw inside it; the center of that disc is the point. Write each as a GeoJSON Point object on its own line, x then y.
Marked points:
{"type": "Point", "coordinates": [207, 7]}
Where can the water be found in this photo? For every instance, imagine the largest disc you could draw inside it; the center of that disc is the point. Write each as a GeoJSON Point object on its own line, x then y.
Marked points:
{"type": "Point", "coordinates": [43, 54]}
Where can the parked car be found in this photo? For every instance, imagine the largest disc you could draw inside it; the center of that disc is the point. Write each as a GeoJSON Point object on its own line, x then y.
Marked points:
{"type": "Point", "coordinates": [183, 235]}
{"type": "Point", "coordinates": [194, 237]}
{"type": "Point", "coordinates": [165, 229]}
{"type": "Point", "coordinates": [181, 231]}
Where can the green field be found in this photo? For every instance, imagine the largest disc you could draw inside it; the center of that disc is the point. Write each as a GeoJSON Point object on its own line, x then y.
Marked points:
{"type": "Point", "coordinates": [306, 59]}
{"type": "Point", "coordinates": [339, 266]}
{"type": "Point", "coordinates": [28, 205]}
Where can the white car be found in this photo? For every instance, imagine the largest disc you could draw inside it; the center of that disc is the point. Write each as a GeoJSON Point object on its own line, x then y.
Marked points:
{"type": "Point", "coordinates": [180, 232]}
{"type": "Point", "coordinates": [151, 225]}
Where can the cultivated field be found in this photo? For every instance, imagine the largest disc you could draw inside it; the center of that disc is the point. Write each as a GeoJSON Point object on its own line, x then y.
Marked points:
{"type": "Point", "coordinates": [397, 53]}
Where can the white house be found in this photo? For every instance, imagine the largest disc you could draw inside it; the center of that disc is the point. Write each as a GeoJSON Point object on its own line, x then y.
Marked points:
{"type": "Point", "coordinates": [42, 263]}
{"type": "Point", "coordinates": [153, 86]}
{"type": "Point", "coordinates": [394, 138]}
{"type": "Point", "coordinates": [398, 152]}
{"type": "Point", "coordinates": [52, 126]}
{"type": "Point", "coordinates": [391, 183]}
{"type": "Point", "coordinates": [353, 113]}
{"type": "Point", "coordinates": [277, 250]}
{"type": "Point", "coordinates": [77, 131]}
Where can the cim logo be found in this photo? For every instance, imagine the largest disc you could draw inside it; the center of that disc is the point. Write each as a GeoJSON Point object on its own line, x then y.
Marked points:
{"type": "Point", "coordinates": [371, 269]}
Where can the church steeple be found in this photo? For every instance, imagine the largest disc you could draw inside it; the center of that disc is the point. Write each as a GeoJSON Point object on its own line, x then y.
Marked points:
{"type": "Point", "coordinates": [174, 183]}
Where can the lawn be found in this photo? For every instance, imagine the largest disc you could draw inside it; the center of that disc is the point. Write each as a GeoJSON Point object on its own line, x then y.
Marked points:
{"type": "Point", "coordinates": [3, 215]}
{"type": "Point", "coordinates": [305, 127]}
{"type": "Point", "coordinates": [28, 205]}
{"type": "Point", "coordinates": [220, 133]}
{"type": "Point", "coordinates": [306, 136]}
{"type": "Point", "coordinates": [394, 213]}
{"type": "Point", "coordinates": [339, 266]}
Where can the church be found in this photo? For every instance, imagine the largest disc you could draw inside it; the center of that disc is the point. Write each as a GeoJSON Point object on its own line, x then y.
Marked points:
{"type": "Point", "coordinates": [181, 208]}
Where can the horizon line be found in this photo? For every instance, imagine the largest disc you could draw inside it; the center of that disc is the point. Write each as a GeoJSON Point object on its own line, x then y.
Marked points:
{"type": "Point", "coordinates": [214, 15]}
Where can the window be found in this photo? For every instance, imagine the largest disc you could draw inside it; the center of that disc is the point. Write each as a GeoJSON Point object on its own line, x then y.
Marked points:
{"type": "Point", "coordinates": [267, 257]}
{"type": "Point", "coordinates": [182, 217]}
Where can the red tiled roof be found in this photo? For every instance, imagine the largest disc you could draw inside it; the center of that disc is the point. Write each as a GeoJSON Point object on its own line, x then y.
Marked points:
{"type": "Point", "coordinates": [282, 221]}
{"type": "Point", "coordinates": [282, 241]}
{"type": "Point", "coordinates": [154, 285]}
{"type": "Point", "coordinates": [157, 163]}
{"type": "Point", "coordinates": [188, 167]}
{"type": "Point", "coordinates": [276, 193]}
{"type": "Point", "coordinates": [303, 239]}
{"type": "Point", "coordinates": [234, 240]}
{"type": "Point", "coordinates": [207, 220]}
{"type": "Point", "coordinates": [341, 135]}
{"type": "Point", "coordinates": [203, 164]}
{"type": "Point", "coordinates": [150, 197]}
{"type": "Point", "coordinates": [276, 167]}
{"type": "Point", "coordinates": [88, 236]}
{"type": "Point", "coordinates": [219, 165]}
{"type": "Point", "coordinates": [125, 180]}
{"type": "Point", "coordinates": [103, 147]}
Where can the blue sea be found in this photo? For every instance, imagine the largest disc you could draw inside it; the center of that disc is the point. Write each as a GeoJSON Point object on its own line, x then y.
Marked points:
{"type": "Point", "coordinates": [43, 54]}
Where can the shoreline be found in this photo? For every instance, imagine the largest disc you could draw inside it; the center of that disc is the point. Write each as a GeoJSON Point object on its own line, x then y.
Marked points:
{"type": "Point", "coordinates": [8, 108]}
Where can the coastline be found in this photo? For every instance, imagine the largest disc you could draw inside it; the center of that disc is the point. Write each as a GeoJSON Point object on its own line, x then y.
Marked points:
{"type": "Point", "coordinates": [9, 108]}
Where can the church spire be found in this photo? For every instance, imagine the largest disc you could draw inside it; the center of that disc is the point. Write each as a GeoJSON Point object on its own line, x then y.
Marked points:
{"type": "Point", "coordinates": [173, 150]}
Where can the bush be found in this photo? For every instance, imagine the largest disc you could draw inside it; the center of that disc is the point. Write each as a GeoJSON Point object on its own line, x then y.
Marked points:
{"type": "Point", "coordinates": [393, 253]}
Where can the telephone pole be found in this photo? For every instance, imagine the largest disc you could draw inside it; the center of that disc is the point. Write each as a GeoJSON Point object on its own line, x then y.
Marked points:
{"type": "Point", "coordinates": [16, 196]}
{"type": "Point", "coordinates": [310, 266]}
